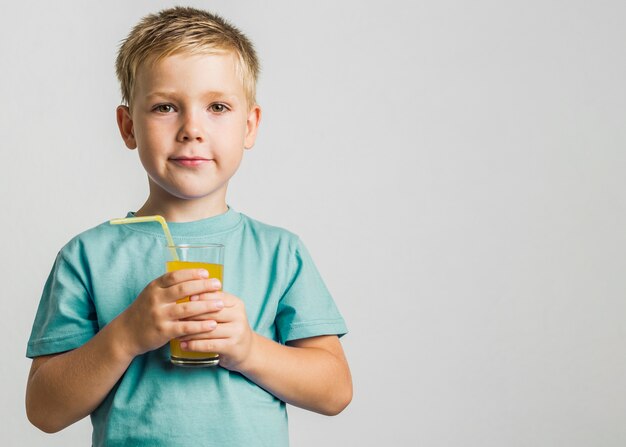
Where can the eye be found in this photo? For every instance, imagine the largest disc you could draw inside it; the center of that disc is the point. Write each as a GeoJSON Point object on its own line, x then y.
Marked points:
{"type": "Point", "coordinates": [164, 108]}
{"type": "Point", "coordinates": [218, 108]}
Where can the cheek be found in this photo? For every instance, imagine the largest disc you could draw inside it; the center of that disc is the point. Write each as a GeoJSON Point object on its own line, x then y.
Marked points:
{"type": "Point", "coordinates": [237, 126]}
{"type": "Point", "coordinates": [229, 136]}
{"type": "Point", "coordinates": [150, 135]}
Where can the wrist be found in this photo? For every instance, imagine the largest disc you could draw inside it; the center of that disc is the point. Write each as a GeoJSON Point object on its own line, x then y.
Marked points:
{"type": "Point", "coordinates": [122, 339]}
{"type": "Point", "coordinates": [250, 363]}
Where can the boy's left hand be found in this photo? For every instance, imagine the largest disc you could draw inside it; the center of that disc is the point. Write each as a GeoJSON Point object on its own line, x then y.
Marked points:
{"type": "Point", "coordinates": [299, 370]}
{"type": "Point", "coordinates": [231, 338]}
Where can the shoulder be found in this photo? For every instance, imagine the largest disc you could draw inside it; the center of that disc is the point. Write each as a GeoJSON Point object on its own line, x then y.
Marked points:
{"type": "Point", "coordinates": [267, 233]}
{"type": "Point", "coordinates": [94, 238]}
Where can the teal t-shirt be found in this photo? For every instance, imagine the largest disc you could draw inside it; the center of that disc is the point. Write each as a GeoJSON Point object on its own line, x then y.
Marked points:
{"type": "Point", "coordinates": [101, 271]}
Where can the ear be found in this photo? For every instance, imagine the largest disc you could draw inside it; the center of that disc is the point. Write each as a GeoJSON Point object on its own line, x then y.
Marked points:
{"type": "Point", "coordinates": [252, 125]}
{"type": "Point", "coordinates": [125, 124]}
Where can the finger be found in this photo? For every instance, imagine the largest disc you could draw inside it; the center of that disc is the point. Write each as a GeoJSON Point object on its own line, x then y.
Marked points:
{"type": "Point", "coordinates": [199, 336]}
{"type": "Point", "coordinates": [226, 298]}
{"type": "Point", "coordinates": [218, 345]}
{"type": "Point", "coordinates": [191, 288]}
{"type": "Point", "coordinates": [219, 331]}
{"type": "Point", "coordinates": [225, 315]}
{"type": "Point", "coordinates": [171, 278]}
{"type": "Point", "coordinates": [193, 310]}
{"type": "Point", "coordinates": [216, 296]}
{"type": "Point", "coordinates": [201, 317]}
{"type": "Point", "coordinates": [185, 328]}
{"type": "Point", "coordinates": [214, 312]}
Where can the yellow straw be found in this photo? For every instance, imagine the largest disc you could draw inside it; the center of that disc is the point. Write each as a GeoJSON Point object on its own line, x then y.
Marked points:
{"type": "Point", "coordinates": [159, 219]}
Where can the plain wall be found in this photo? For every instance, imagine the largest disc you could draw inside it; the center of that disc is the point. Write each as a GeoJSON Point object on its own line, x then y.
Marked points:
{"type": "Point", "coordinates": [457, 170]}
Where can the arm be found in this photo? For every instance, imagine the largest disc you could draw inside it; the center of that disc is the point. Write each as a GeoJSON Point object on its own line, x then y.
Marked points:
{"type": "Point", "coordinates": [66, 387]}
{"type": "Point", "coordinates": [310, 373]}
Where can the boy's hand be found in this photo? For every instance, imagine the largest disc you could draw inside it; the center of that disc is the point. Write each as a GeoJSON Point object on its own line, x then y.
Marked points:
{"type": "Point", "coordinates": [231, 338]}
{"type": "Point", "coordinates": [154, 318]}
{"type": "Point", "coordinates": [297, 372]}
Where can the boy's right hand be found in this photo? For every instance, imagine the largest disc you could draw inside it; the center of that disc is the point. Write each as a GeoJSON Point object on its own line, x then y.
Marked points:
{"type": "Point", "coordinates": [154, 318]}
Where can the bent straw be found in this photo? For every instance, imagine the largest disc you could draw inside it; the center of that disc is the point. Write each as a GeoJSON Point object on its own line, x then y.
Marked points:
{"type": "Point", "coordinates": [159, 219]}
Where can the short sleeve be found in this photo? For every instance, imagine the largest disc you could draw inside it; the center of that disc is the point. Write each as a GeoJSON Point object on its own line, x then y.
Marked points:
{"type": "Point", "coordinates": [65, 318]}
{"type": "Point", "coordinates": [306, 308]}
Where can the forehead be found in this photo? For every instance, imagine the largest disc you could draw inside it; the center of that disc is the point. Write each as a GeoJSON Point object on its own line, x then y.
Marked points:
{"type": "Point", "coordinates": [191, 72]}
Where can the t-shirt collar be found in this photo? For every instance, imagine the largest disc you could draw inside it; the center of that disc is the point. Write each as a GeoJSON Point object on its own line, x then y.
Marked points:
{"type": "Point", "coordinates": [198, 228]}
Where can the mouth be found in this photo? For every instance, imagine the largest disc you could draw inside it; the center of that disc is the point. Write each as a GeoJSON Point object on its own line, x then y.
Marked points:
{"type": "Point", "coordinates": [190, 161]}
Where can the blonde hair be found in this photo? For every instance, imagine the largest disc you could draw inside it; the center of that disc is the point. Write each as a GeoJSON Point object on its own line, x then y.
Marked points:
{"type": "Point", "coordinates": [184, 30]}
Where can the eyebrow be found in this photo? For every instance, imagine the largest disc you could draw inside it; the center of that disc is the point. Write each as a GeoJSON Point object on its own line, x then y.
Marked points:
{"type": "Point", "coordinates": [165, 94]}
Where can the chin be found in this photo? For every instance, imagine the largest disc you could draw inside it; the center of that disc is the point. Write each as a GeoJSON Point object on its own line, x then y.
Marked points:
{"type": "Point", "coordinates": [182, 196]}
{"type": "Point", "coordinates": [193, 195]}
{"type": "Point", "coordinates": [190, 191]}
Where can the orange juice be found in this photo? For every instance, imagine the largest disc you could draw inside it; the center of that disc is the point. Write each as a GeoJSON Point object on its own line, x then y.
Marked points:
{"type": "Point", "coordinates": [188, 358]}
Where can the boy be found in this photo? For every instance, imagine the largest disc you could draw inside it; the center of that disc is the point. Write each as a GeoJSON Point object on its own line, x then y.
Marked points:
{"type": "Point", "coordinates": [99, 341]}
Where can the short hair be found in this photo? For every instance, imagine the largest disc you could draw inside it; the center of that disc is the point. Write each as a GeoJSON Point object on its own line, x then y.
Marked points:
{"type": "Point", "coordinates": [184, 30]}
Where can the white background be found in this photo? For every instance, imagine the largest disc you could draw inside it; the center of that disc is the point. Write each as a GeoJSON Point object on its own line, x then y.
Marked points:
{"type": "Point", "coordinates": [457, 170]}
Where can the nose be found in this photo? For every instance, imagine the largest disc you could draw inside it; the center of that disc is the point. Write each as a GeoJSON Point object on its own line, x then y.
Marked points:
{"type": "Point", "coordinates": [190, 129]}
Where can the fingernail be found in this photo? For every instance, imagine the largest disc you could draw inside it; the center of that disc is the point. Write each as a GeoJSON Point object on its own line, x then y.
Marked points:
{"type": "Point", "coordinates": [183, 344]}
{"type": "Point", "coordinates": [194, 298]}
{"type": "Point", "coordinates": [219, 304]}
{"type": "Point", "coordinates": [204, 273]}
{"type": "Point", "coordinates": [212, 324]}
{"type": "Point", "coordinates": [215, 283]}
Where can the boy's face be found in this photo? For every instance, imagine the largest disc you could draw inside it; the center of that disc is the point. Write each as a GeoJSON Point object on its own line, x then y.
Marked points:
{"type": "Point", "coordinates": [190, 122]}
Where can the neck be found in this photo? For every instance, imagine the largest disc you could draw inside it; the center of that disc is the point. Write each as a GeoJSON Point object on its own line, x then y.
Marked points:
{"type": "Point", "coordinates": [175, 209]}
